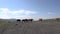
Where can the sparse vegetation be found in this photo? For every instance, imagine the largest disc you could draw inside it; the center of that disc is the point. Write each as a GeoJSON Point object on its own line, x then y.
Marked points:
{"type": "Point", "coordinates": [5, 23]}
{"type": "Point", "coordinates": [35, 27]}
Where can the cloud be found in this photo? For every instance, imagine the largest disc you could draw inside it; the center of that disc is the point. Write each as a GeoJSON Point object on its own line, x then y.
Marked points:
{"type": "Point", "coordinates": [5, 13]}
{"type": "Point", "coordinates": [26, 12]}
{"type": "Point", "coordinates": [51, 13]}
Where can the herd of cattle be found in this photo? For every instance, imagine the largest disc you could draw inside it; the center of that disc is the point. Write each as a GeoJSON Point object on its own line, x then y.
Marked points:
{"type": "Point", "coordinates": [24, 20]}
{"type": "Point", "coordinates": [27, 20]}
{"type": "Point", "coordinates": [30, 20]}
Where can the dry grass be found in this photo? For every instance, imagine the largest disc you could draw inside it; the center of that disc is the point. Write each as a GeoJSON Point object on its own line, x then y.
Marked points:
{"type": "Point", "coordinates": [37, 27]}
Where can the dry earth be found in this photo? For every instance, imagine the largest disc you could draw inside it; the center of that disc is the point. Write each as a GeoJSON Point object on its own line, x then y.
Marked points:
{"type": "Point", "coordinates": [32, 28]}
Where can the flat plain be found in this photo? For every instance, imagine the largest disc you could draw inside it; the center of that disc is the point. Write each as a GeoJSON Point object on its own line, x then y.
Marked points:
{"type": "Point", "coordinates": [34, 27]}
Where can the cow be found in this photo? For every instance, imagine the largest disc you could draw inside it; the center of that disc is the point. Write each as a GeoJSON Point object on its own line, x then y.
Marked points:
{"type": "Point", "coordinates": [57, 19]}
{"type": "Point", "coordinates": [24, 20]}
{"type": "Point", "coordinates": [40, 19]}
{"type": "Point", "coordinates": [30, 20]}
{"type": "Point", "coordinates": [27, 20]}
{"type": "Point", "coordinates": [18, 20]}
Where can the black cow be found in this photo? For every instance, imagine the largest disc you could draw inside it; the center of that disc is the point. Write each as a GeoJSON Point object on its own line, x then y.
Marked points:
{"type": "Point", "coordinates": [40, 20]}
{"type": "Point", "coordinates": [24, 20]}
{"type": "Point", "coordinates": [18, 20]}
{"type": "Point", "coordinates": [27, 20]}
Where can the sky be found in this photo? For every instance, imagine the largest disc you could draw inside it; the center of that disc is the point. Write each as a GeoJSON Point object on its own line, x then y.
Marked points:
{"type": "Point", "coordinates": [21, 9]}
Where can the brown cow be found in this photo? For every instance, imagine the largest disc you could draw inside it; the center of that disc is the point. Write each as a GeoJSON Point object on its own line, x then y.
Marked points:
{"type": "Point", "coordinates": [30, 20]}
{"type": "Point", "coordinates": [57, 19]}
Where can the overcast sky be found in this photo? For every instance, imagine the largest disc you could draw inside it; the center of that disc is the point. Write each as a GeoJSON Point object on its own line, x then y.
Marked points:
{"type": "Point", "coordinates": [29, 9]}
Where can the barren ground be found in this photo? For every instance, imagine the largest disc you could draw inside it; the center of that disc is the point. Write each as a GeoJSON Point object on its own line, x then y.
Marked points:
{"type": "Point", "coordinates": [31, 28]}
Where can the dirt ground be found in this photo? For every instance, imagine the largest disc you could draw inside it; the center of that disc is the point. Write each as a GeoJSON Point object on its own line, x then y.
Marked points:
{"type": "Point", "coordinates": [32, 28]}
